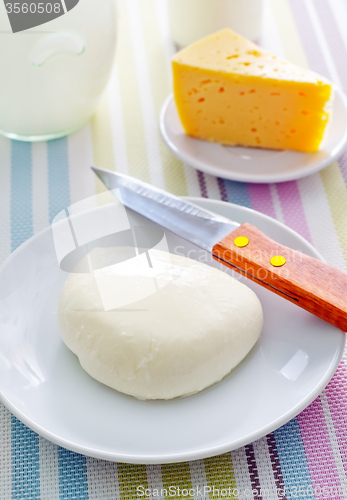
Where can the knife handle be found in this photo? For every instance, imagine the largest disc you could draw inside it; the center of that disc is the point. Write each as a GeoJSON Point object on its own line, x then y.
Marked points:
{"type": "Point", "coordinates": [313, 285]}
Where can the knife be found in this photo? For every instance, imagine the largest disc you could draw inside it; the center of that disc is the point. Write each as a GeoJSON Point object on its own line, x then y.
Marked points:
{"type": "Point", "coordinates": [313, 285]}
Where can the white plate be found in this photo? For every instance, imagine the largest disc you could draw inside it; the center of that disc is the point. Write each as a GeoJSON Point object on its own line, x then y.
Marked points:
{"type": "Point", "coordinates": [42, 383]}
{"type": "Point", "coordinates": [251, 164]}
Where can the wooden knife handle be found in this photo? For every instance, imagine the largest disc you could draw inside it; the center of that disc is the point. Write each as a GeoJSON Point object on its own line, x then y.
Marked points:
{"type": "Point", "coordinates": [311, 284]}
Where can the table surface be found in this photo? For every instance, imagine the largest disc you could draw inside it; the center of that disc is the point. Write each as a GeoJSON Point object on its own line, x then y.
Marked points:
{"type": "Point", "coordinates": [309, 453]}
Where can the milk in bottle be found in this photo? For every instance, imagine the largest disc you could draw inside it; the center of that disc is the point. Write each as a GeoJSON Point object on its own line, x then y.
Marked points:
{"type": "Point", "coordinates": [52, 75]}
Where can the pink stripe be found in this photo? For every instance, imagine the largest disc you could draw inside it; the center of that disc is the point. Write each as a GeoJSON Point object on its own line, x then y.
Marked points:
{"type": "Point", "coordinates": [318, 450]}
{"type": "Point", "coordinates": [292, 208]}
{"type": "Point", "coordinates": [336, 392]}
{"type": "Point", "coordinates": [261, 199]}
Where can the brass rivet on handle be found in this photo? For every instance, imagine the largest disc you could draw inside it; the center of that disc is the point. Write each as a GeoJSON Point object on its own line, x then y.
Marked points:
{"type": "Point", "coordinates": [241, 241]}
{"type": "Point", "coordinates": [278, 261]}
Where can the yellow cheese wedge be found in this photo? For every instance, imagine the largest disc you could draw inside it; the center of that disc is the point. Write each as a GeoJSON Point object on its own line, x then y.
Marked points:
{"type": "Point", "coordinates": [229, 90]}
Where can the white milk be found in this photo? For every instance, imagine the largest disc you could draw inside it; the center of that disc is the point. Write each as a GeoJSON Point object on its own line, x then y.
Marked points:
{"type": "Point", "coordinates": [52, 76]}
{"type": "Point", "coordinates": [191, 20]}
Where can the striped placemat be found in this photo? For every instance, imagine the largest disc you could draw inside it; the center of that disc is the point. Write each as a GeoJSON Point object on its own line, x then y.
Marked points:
{"type": "Point", "coordinates": [307, 458]}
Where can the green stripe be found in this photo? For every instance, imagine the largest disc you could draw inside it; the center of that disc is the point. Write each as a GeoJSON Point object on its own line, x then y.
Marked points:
{"type": "Point", "coordinates": [102, 137]}
{"type": "Point", "coordinates": [336, 194]}
{"type": "Point", "coordinates": [176, 476]}
{"type": "Point", "coordinates": [130, 477]}
{"type": "Point", "coordinates": [220, 475]}
{"type": "Point", "coordinates": [103, 154]}
{"type": "Point", "coordinates": [130, 98]}
{"type": "Point", "coordinates": [288, 32]}
{"type": "Point", "coordinates": [161, 87]}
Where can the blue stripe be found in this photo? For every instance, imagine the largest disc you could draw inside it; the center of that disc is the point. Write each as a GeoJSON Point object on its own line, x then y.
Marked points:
{"type": "Point", "coordinates": [58, 176]}
{"type": "Point", "coordinates": [237, 192]}
{"type": "Point", "coordinates": [291, 453]}
{"type": "Point", "coordinates": [24, 442]}
{"type": "Point", "coordinates": [21, 193]}
{"type": "Point", "coordinates": [25, 462]}
{"type": "Point", "coordinates": [73, 482]}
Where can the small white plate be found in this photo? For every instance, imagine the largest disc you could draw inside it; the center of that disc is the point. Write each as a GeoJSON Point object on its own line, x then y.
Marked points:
{"type": "Point", "coordinates": [42, 383]}
{"type": "Point", "coordinates": [252, 164]}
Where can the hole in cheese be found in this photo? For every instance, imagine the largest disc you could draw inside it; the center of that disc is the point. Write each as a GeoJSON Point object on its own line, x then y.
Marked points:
{"type": "Point", "coordinates": [254, 53]}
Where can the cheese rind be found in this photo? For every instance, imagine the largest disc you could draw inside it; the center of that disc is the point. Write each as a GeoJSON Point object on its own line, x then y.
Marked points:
{"type": "Point", "coordinates": [231, 91]}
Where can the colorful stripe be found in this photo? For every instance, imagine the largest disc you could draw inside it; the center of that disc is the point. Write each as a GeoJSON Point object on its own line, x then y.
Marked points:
{"type": "Point", "coordinates": [72, 475]}
{"type": "Point", "coordinates": [72, 466]}
{"type": "Point", "coordinates": [160, 87]}
{"type": "Point", "coordinates": [130, 478]}
{"type": "Point", "coordinates": [268, 487]}
{"type": "Point", "coordinates": [25, 462]}
{"type": "Point", "coordinates": [58, 176]}
{"type": "Point", "coordinates": [253, 472]}
{"type": "Point", "coordinates": [316, 441]}
{"type": "Point", "coordinates": [292, 459]}
{"type": "Point", "coordinates": [103, 154]}
{"type": "Point", "coordinates": [261, 199]}
{"type": "Point", "coordinates": [222, 189]}
{"type": "Point", "coordinates": [336, 393]}
{"type": "Point", "coordinates": [136, 146]}
{"type": "Point", "coordinates": [177, 476]}
{"type": "Point", "coordinates": [202, 184]}
{"type": "Point", "coordinates": [220, 475]}
{"type": "Point", "coordinates": [21, 194]}
{"type": "Point", "coordinates": [24, 442]}
{"type": "Point", "coordinates": [39, 186]}
{"type": "Point", "coordinates": [237, 192]}
{"type": "Point", "coordinates": [102, 137]}
{"type": "Point", "coordinates": [5, 198]}
{"type": "Point", "coordinates": [275, 463]}
{"type": "Point", "coordinates": [292, 208]}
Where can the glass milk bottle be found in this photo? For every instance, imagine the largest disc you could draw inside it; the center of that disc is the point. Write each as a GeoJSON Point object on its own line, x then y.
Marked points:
{"type": "Point", "coordinates": [54, 71]}
{"type": "Point", "coordinates": [190, 20]}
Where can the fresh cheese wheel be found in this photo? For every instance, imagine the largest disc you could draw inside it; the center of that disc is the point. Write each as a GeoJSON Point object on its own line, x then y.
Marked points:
{"type": "Point", "coordinates": [187, 334]}
{"type": "Point", "coordinates": [229, 90]}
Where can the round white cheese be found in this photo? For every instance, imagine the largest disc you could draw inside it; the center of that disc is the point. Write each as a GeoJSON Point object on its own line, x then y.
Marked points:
{"type": "Point", "coordinates": [191, 327]}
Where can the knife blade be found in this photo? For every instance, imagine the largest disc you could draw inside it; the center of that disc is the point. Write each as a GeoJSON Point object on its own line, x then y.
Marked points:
{"type": "Point", "coordinates": [313, 285]}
